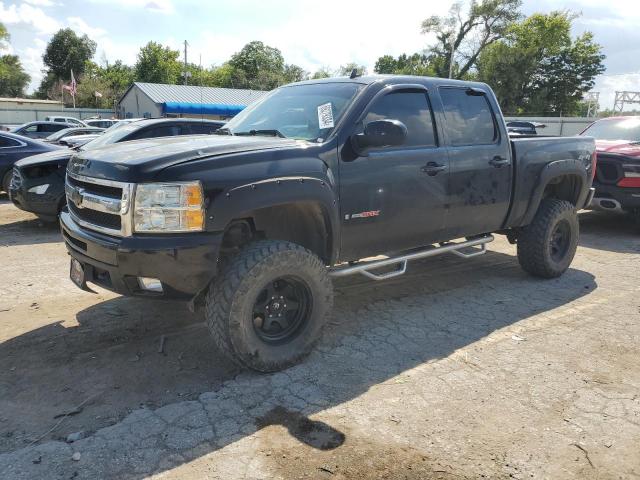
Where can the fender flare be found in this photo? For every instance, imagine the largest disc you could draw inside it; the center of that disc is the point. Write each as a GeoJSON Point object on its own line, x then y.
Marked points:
{"type": "Point", "coordinates": [240, 201]}
{"type": "Point", "coordinates": [559, 168]}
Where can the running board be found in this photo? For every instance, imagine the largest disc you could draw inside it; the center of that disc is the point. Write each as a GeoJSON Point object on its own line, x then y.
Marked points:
{"type": "Point", "coordinates": [401, 261]}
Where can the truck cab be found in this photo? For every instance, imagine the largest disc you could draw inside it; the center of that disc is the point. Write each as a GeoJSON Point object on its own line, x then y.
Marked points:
{"type": "Point", "coordinates": [306, 184]}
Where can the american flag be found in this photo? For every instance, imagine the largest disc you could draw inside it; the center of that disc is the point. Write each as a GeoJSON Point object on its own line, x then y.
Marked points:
{"type": "Point", "coordinates": [74, 86]}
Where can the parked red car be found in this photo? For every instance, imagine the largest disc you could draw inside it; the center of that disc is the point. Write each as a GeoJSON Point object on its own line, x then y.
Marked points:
{"type": "Point", "coordinates": [617, 179]}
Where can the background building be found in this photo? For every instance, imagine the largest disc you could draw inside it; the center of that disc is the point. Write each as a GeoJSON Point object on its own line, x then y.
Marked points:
{"type": "Point", "coordinates": [158, 100]}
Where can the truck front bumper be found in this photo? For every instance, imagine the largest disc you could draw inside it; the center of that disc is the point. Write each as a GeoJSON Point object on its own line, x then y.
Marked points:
{"type": "Point", "coordinates": [184, 264]}
{"type": "Point", "coordinates": [615, 198]}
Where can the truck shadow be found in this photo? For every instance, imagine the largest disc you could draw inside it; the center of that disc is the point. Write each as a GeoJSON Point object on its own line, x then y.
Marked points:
{"type": "Point", "coordinates": [130, 353]}
{"type": "Point", "coordinates": [598, 228]}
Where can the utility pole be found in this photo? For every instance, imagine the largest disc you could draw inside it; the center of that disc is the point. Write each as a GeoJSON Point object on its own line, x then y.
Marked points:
{"type": "Point", "coordinates": [186, 72]}
{"type": "Point", "coordinates": [453, 51]}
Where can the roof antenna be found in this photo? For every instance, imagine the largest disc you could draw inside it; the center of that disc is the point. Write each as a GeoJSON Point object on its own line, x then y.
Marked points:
{"type": "Point", "coordinates": [354, 73]}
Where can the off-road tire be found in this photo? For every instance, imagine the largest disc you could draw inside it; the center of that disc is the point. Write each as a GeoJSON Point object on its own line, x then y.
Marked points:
{"type": "Point", "coordinates": [6, 181]}
{"type": "Point", "coordinates": [534, 241]}
{"type": "Point", "coordinates": [230, 301]}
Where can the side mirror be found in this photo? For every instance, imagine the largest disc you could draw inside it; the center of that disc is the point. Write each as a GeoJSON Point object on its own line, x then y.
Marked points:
{"type": "Point", "coordinates": [380, 133]}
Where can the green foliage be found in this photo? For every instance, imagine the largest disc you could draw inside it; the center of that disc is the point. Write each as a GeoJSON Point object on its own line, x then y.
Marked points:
{"type": "Point", "coordinates": [465, 36]}
{"type": "Point", "coordinates": [539, 69]}
{"type": "Point", "coordinates": [416, 64]}
{"type": "Point", "coordinates": [4, 37]}
{"type": "Point", "coordinates": [157, 64]}
{"type": "Point", "coordinates": [345, 70]}
{"type": "Point", "coordinates": [67, 51]}
{"type": "Point", "coordinates": [257, 66]}
{"type": "Point", "coordinates": [13, 78]}
{"type": "Point", "coordinates": [324, 72]}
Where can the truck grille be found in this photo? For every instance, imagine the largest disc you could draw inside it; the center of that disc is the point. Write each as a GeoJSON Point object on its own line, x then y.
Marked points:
{"type": "Point", "coordinates": [100, 205]}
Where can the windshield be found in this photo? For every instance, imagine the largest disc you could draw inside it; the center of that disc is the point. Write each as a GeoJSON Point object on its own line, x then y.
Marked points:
{"type": "Point", "coordinates": [303, 112]}
{"type": "Point", "coordinates": [111, 135]}
{"type": "Point", "coordinates": [58, 135]}
{"type": "Point", "coordinates": [620, 129]}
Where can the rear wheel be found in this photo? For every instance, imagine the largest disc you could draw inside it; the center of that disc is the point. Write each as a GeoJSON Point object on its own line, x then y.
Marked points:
{"type": "Point", "coordinates": [268, 305]}
{"type": "Point", "coordinates": [547, 246]}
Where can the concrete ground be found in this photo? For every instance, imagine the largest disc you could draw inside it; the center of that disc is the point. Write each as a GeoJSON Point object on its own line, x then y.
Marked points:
{"type": "Point", "coordinates": [459, 369]}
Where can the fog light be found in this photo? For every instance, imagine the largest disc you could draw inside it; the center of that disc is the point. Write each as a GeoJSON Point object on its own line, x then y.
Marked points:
{"type": "Point", "coordinates": [150, 284]}
{"type": "Point", "coordinates": [40, 189]}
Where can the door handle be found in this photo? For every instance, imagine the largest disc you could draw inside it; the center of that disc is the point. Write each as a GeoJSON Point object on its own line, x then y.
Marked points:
{"type": "Point", "coordinates": [433, 168]}
{"type": "Point", "coordinates": [499, 161]}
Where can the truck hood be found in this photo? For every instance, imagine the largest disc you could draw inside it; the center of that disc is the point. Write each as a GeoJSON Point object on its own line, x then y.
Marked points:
{"type": "Point", "coordinates": [619, 147]}
{"type": "Point", "coordinates": [59, 155]}
{"type": "Point", "coordinates": [138, 160]}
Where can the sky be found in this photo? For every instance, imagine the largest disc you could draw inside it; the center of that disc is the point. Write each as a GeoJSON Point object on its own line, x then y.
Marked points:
{"type": "Point", "coordinates": [310, 34]}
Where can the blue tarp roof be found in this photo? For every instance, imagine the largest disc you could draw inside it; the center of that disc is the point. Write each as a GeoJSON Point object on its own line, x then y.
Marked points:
{"type": "Point", "coordinates": [202, 108]}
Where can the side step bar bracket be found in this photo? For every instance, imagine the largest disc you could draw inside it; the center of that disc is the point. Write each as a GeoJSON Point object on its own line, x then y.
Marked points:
{"type": "Point", "coordinates": [401, 261]}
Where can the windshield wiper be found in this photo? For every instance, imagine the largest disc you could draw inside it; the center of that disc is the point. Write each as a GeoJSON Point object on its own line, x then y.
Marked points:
{"type": "Point", "coordinates": [271, 132]}
{"type": "Point", "coordinates": [223, 131]}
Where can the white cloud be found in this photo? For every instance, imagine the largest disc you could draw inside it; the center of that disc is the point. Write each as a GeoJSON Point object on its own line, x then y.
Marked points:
{"type": "Point", "coordinates": [313, 38]}
{"type": "Point", "coordinates": [41, 3]}
{"type": "Point", "coordinates": [27, 14]}
{"type": "Point", "coordinates": [159, 6]}
{"type": "Point", "coordinates": [80, 26]}
{"type": "Point", "coordinates": [607, 85]}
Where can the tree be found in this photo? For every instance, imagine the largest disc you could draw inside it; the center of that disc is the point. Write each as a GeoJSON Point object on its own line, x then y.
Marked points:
{"type": "Point", "coordinates": [323, 72]}
{"type": "Point", "coordinates": [4, 36]}
{"type": "Point", "coordinates": [158, 64]}
{"type": "Point", "coordinates": [257, 66]}
{"type": "Point", "coordinates": [416, 64]}
{"type": "Point", "coordinates": [294, 73]}
{"type": "Point", "coordinates": [345, 70]}
{"type": "Point", "coordinates": [463, 38]}
{"type": "Point", "coordinates": [13, 78]}
{"type": "Point", "coordinates": [538, 69]}
{"type": "Point", "coordinates": [67, 51]}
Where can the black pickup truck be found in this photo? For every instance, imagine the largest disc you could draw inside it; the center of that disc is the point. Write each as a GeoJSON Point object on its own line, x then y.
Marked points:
{"type": "Point", "coordinates": [305, 185]}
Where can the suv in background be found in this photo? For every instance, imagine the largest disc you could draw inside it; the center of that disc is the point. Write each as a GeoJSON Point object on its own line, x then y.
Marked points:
{"type": "Point", "coordinates": [38, 181]}
{"type": "Point", "coordinates": [41, 129]}
{"type": "Point", "coordinates": [61, 119]}
{"type": "Point", "coordinates": [101, 122]}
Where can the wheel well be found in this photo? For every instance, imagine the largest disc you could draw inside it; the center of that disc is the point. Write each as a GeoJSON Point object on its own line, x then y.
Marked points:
{"type": "Point", "coordinates": [564, 187]}
{"type": "Point", "coordinates": [303, 223]}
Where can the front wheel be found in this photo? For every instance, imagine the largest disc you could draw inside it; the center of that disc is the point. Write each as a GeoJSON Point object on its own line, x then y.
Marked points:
{"type": "Point", "coordinates": [6, 181]}
{"type": "Point", "coordinates": [268, 305]}
{"type": "Point", "coordinates": [547, 246]}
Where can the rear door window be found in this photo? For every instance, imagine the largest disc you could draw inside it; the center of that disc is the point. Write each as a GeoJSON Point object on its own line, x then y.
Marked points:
{"type": "Point", "coordinates": [6, 142]}
{"type": "Point", "coordinates": [412, 108]}
{"type": "Point", "coordinates": [155, 132]}
{"type": "Point", "coordinates": [199, 128]}
{"type": "Point", "coordinates": [469, 119]}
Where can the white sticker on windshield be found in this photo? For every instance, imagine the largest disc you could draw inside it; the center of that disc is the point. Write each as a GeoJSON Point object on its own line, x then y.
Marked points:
{"type": "Point", "coordinates": [325, 116]}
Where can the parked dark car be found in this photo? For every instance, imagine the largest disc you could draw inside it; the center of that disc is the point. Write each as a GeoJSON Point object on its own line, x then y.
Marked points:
{"type": "Point", "coordinates": [524, 128]}
{"type": "Point", "coordinates": [13, 148]}
{"type": "Point", "coordinates": [72, 131]}
{"type": "Point", "coordinates": [38, 183]}
{"type": "Point", "coordinates": [41, 129]}
{"type": "Point", "coordinates": [617, 180]}
{"type": "Point", "coordinates": [301, 186]}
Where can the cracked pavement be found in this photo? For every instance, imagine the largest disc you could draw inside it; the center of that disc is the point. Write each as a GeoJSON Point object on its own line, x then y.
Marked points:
{"type": "Point", "coordinates": [459, 369]}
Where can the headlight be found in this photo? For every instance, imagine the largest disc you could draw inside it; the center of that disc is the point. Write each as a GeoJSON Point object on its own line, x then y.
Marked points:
{"type": "Point", "coordinates": [169, 207]}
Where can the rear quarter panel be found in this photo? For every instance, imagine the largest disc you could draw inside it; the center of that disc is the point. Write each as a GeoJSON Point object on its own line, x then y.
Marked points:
{"type": "Point", "coordinates": [536, 160]}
